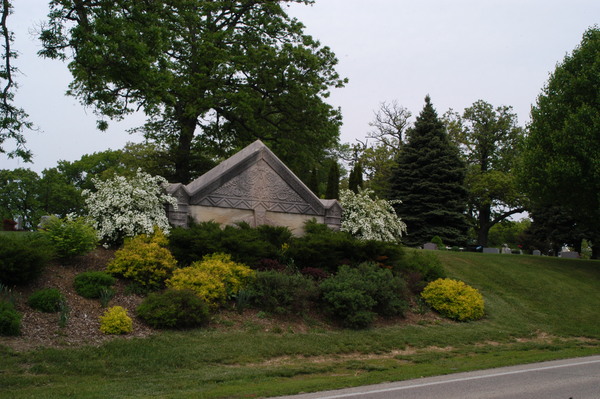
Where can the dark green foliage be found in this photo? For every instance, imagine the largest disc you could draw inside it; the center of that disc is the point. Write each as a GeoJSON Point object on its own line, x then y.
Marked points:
{"type": "Point", "coordinates": [22, 257]}
{"type": "Point", "coordinates": [173, 309]}
{"type": "Point", "coordinates": [333, 182]}
{"type": "Point", "coordinates": [561, 164]}
{"type": "Point", "coordinates": [355, 180]}
{"type": "Point", "coordinates": [245, 244]}
{"type": "Point", "coordinates": [282, 293]}
{"type": "Point", "coordinates": [92, 284]}
{"type": "Point", "coordinates": [10, 319]}
{"type": "Point", "coordinates": [71, 237]}
{"type": "Point", "coordinates": [429, 180]}
{"type": "Point", "coordinates": [210, 75]}
{"type": "Point", "coordinates": [355, 296]}
{"type": "Point", "coordinates": [313, 182]}
{"type": "Point", "coordinates": [326, 249]}
{"type": "Point", "coordinates": [47, 300]}
{"type": "Point", "coordinates": [420, 267]}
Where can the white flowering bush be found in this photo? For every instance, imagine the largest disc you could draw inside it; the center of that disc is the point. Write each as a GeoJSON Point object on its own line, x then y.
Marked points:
{"type": "Point", "coordinates": [369, 218]}
{"type": "Point", "coordinates": [125, 207]}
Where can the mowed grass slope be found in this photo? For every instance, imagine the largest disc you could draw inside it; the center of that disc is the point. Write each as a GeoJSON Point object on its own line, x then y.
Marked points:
{"type": "Point", "coordinates": [536, 309]}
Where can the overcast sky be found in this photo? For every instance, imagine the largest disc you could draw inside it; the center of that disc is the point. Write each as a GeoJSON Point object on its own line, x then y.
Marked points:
{"type": "Point", "coordinates": [458, 52]}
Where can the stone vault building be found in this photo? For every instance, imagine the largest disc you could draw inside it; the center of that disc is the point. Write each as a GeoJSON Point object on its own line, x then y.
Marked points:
{"type": "Point", "coordinates": [252, 186]}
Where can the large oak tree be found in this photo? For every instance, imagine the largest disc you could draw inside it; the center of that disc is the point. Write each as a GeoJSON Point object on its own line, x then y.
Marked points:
{"type": "Point", "coordinates": [213, 74]}
{"type": "Point", "coordinates": [489, 140]}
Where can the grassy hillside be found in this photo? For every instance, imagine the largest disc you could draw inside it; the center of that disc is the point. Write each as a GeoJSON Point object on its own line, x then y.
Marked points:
{"type": "Point", "coordinates": [536, 309]}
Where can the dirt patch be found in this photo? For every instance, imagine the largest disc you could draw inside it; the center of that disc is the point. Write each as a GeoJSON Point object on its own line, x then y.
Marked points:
{"type": "Point", "coordinates": [40, 329]}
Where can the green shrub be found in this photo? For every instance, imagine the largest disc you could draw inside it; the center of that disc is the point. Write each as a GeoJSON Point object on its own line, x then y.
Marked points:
{"type": "Point", "coordinates": [324, 248]}
{"type": "Point", "coordinates": [10, 319]}
{"type": "Point", "coordinates": [215, 278]}
{"type": "Point", "coordinates": [116, 321]}
{"type": "Point", "coordinates": [47, 300]}
{"type": "Point", "coordinates": [246, 245]}
{"type": "Point", "coordinates": [282, 293]}
{"type": "Point", "coordinates": [71, 237]}
{"type": "Point", "coordinates": [437, 240]}
{"type": "Point", "coordinates": [454, 299]}
{"type": "Point", "coordinates": [356, 295]}
{"type": "Point", "coordinates": [23, 256]}
{"type": "Point", "coordinates": [144, 260]}
{"type": "Point", "coordinates": [173, 309]}
{"type": "Point", "coordinates": [420, 267]}
{"type": "Point", "coordinates": [91, 284]}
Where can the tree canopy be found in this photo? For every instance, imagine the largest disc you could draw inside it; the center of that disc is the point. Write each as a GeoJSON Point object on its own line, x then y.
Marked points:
{"type": "Point", "coordinates": [13, 120]}
{"type": "Point", "coordinates": [489, 140]}
{"type": "Point", "coordinates": [209, 74]}
{"type": "Point", "coordinates": [561, 163]}
{"type": "Point", "coordinates": [429, 180]}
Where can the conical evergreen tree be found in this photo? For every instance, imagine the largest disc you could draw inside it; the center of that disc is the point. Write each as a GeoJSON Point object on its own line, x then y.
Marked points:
{"type": "Point", "coordinates": [333, 182]}
{"type": "Point", "coordinates": [355, 180]}
{"type": "Point", "coordinates": [429, 180]}
{"type": "Point", "coordinates": [313, 182]}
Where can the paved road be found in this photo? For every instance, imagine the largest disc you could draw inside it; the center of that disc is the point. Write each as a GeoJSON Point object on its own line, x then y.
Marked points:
{"type": "Point", "coordinates": [562, 379]}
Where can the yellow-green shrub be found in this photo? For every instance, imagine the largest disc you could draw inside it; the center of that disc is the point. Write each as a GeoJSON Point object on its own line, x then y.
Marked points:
{"type": "Point", "coordinates": [215, 278]}
{"type": "Point", "coordinates": [144, 260]}
{"type": "Point", "coordinates": [454, 299]}
{"type": "Point", "coordinates": [116, 321]}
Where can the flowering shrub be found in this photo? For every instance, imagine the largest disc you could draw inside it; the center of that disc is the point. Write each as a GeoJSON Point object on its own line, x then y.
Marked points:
{"type": "Point", "coordinates": [116, 321]}
{"type": "Point", "coordinates": [144, 260]}
{"type": "Point", "coordinates": [215, 278]}
{"type": "Point", "coordinates": [454, 299]}
{"type": "Point", "coordinates": [124, 207]}
{"type": "Point", "coordinates": [71, 236]}
{"type": "Point", "coordinates": [370, 219]}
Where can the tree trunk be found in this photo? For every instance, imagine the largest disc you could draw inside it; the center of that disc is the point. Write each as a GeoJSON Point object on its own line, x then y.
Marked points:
{"type": "Point", "coordinates": [485, 213]}
{"type": "Point", "coordinates": [184, 148]}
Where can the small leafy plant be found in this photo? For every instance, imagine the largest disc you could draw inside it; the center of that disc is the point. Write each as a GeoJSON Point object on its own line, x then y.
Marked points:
{"type": "Point", "coordinates": [144, 260]}
{"type": "Point", "coordinates": [92, 283]}
{"type": "Point", "coordinates": [173, 309]}
{"type": "Point", "coordinates": [47, 300]}
{"type": "Point", "coordinates": [215, 279]}
{"type": "Point", "coordinates": [116, 321]}
{"type": "Point", "coordinates": [10, 319]}
{"type": "Point", "coordinates": [71, 236]}
{"type": "Point", "coordinates": [454, 299]}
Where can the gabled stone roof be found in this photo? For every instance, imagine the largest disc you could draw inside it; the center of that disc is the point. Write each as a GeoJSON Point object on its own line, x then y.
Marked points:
{"type": "Point", "coordinates": [254, 178]}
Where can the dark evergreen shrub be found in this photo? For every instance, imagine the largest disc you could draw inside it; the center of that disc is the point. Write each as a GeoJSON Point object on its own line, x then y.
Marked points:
{"type": "Point", "coordinates": [173, 309]}
{"type": "Point", "coordinates": [23, 256]}
{"type": "Point", "coordinates": [10, 319]}
{"type": "Point", "coordinates": [47, 300]}
{"type": "Point", "coordinates": [324, 248]}
{"type": "Point", "coordinates": [355, 296]}
{"type": "Point", "coordinates": [245, 244]}
{"type": "Point", "coordinates": [282, 293]}
{"type": "Point", "coordinates": [92, 284]}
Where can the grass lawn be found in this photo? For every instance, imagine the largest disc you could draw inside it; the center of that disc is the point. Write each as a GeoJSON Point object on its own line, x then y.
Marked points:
{"type": "Point", "coordinates": [537, 308]}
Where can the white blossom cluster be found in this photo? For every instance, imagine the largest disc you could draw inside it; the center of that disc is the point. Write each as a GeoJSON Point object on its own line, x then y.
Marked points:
{"type": "Point", "coordinates": [125, 207]}
{"type": "Point", "coordinates": [370, 219]}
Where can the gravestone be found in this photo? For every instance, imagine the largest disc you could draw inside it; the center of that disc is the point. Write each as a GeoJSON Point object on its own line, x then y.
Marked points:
{"type": "Point", "coordinates": [252, 186]}
{"type": "Point", "coordinates": [491, 251]}
{"type": "Point", "coordinates": [569, 254]}
{"type": "Point", "coordinates": [430, 246]}
{"type": "Point", "coordinates": [506, 250]}
{"type": "Point", "coordinates": [537, 252]}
